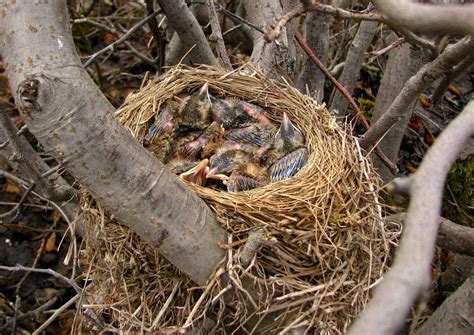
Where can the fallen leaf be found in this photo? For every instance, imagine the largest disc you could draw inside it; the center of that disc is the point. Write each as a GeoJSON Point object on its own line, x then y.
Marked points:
{"type": "Point", "coordinates": [50, 244]}
{"type": "Point", "coordinates": [424, 101]}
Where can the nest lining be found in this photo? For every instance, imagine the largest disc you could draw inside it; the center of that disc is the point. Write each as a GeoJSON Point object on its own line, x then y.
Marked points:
{"type": "Point", "coordinates": [329, 245]}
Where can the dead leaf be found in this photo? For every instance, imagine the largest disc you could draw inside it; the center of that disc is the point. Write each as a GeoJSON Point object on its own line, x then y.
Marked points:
{"type": "Point", "coordinates": [10, 187]}
{"type": "Point", "coordinates": [50, 244]}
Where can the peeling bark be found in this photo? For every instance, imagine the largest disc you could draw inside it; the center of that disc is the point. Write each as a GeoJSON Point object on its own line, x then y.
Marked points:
{"type": "Point", "coordinates": [71, 118]}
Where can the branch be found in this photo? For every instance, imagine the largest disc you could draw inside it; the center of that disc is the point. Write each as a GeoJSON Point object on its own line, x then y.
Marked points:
{"type": "Point", "coordinates": [74, 121]}
{"type": "Point", "coordinates": [449, 77]}
{"type": "Point", "coordinates": [346, 94]}
{"type": "Point", "coordinates": [217, 35]}
{"type": "Point", "coordinates": [312, 6]}
{"type": "Point", "coordinates": [122, 39]}
{"type": "Point", "coordinates": [189, 31]}
{"type": "Point", "coordinates": [410, 275]}
{"type": "Point", "coordinates": [429, 18]}
{"type": "Point", "coordinates": [451, 236]}
{"type": "Point", "coordinates": [414, 87]}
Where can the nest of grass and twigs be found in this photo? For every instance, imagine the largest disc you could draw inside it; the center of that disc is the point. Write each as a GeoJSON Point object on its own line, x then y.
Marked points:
{"type": "Point", "coordinates": [323, 241]}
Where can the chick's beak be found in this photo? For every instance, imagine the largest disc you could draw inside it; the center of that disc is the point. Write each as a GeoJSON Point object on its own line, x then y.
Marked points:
{"type": "Point", "coordinates": [204, 91]}
{"type": "Point", "coordinates": [212, 174]}
{"type": "Point", "coordinates": [197, 174]}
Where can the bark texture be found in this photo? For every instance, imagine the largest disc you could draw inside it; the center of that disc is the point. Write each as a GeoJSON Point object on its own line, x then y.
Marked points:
{"type": "Point", "coordinates": [354, 60]}
{"type": "Point", "coordinates": [72, 119]}
{"type": "Point", "coordinates": [190, 33]}
{"type": "Point", "coordinates": [415, 86]}
{"type": "Point", "coordinates": [265, 55]}
{"type": "Point", "coordinates": [410, 275]}
{"type": "Point", "coordinates": [455, 316]}
{"type": "Point", "coordinates": [317, 36]}
{"type": "Point", "coordinates": [403, 62]}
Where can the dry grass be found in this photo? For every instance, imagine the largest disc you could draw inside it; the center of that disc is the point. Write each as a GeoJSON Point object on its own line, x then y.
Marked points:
{"type": "Point", "coordinates": [328, 242]}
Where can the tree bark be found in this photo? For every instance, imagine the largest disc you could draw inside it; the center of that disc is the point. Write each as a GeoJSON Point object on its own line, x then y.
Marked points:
{"type": "Point", "coordinates": [317, 35]}
{"type": "Point", "coordinates": [403, 62]}
{"type": "Point", "coordinates": [455, 316]}
{"type": "Point", "coordinates": [354, 60]}
{"type": "Point", "coordinates": [71, 118]}
{"type": "Point", "coordinates": [265, 55]}
{"type": "Point", "coordinates": [190, 33]}
{"type": "Point", "coordinates": [413, 88]}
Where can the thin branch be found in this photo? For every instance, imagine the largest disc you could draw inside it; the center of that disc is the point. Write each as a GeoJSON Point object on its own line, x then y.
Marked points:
{"type": "Point", "coordinates": [449, 77]}
{"type": "Point", "coordinates": [217, 36]}
{"type": "Point", "coordinates": [410, 275]}
{"type": "Point", "coordinates": [346, 94]}
{"type": "Point", "coordinates": [415, 86]}
{"type": "Point", "coordinates": [159, 40]}
{"type": "Point", "coordinates": [276, 29]}
{"type": "Point", "coordinates": [237, 18]}
{"type": "Point", "coordinates": [19, 204]}
{"type": "Point", "coordinates": [124, 37]}
{"type": "Point", "coordinates": [56, 314]}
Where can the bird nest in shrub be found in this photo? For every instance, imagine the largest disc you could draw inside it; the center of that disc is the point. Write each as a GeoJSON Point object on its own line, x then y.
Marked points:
{"type": "Point", "coordinates": [322, 241]}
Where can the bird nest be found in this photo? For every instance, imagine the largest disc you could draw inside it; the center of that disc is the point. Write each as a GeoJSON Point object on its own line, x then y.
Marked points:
{"type": "Point", "coordinates": [322, 241]}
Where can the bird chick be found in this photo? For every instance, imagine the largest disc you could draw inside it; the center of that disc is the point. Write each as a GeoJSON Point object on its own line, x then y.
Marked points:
{"type": "Point", "coordinates": [237, 169]}
{"type": "Point", "coordinates": [164, 122]}
{"type": "Point", "coordinates": [247, 177]}
{"type": "Point", "coordinates": [195, 110]}
{"type": "Point", "coordinates": [225, 160]}
{"type": "Point", "coordinates": [255, 134]}
{"type": "Point", "coordinates": [287, 155]}
{"type": "Point", "coordinates": [194, 172]}
{"type": "Point", "coordinates": [233, 113]}
{"type": "Point", "coordinates": [208, 142]}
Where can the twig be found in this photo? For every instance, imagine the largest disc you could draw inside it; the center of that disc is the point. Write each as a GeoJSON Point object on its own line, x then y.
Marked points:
{"type": "Point", "coordinates": [276, 29]}
{"type": "Point", "coordinates": [217, 36]}
{"type": "Point", "coordinates": [19, 204]}
{"type": "Point", "coordinates": [51, 272]}
{"type": "Point", "coordinates": [449, 77]}
{"type": "Point", "coordinates": [383, 51]}
{"type": "Point", "coordinates": [346, 94]}
{"type": "Point", "coordinates": [328, 74]}
{"type": "Point", "coordinates": [124, 37]}
{"type": "Point", "coordinates": [56, 314]}
{"type": "Point", "coordinates": [48, 304]}
{"type": "Point", "coordinates": [410, 275]}
{"type": "Point", "coordinates": [155, 30]}
{"type": "Point", "coordinates": [238, 18]}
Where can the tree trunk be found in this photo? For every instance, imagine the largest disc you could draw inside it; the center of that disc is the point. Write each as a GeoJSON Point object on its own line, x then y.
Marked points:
{"type": "Point", "coordinates": [455, 316]}
{"type": "Point", "coordinates": [354, 60]}
{"type": "Point", "coordinates": [403, 62]}
{"type": "Point", "coordinates": [71, 118]}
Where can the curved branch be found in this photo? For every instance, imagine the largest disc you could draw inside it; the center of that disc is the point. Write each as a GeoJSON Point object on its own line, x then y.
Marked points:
{"type": "Point", "coordinates": [429, 18]}
{"type": "Point", "coordinates": [71, 118]}
{"type": "Point", "coordinates": [410, 276]}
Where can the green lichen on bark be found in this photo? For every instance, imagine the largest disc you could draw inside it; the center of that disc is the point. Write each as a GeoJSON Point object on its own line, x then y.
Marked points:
{"type": "Point", "coordinates": [458, 195]}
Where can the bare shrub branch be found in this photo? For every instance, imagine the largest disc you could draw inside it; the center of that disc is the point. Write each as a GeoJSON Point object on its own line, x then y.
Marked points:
{"type": "Point", "coordinates": [410, 275]}
{"type": "Point", "coordinates": [429, 18]}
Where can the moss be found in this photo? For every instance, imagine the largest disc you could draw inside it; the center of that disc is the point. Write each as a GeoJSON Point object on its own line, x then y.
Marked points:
{"type": "Point", "coordinates": [458, 194]}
